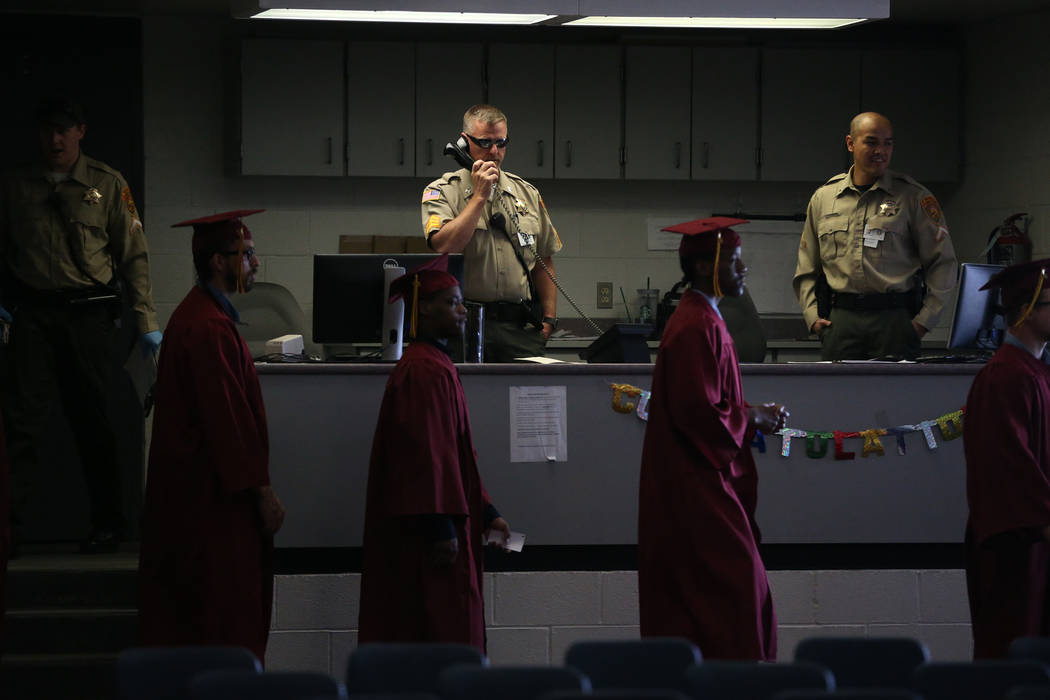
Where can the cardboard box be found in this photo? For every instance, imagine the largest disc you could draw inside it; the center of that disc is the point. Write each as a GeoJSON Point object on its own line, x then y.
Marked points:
{"type": "Point", "coordinates": [356, 244]}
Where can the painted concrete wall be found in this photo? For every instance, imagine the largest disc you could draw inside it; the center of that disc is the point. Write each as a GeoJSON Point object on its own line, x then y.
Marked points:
{"type": "Point", "coordinates": [533, 617]}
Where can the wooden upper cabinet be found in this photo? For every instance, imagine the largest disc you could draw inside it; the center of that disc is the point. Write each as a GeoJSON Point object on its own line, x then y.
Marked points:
{"type": "Point", "coordinates": [380, 117]}
{"type": "Point", "coordinates": [521, 84]}
{"type": "Point", "coordinates": [449, 80]}
{"type": "Point", "coordinates": [292, 106]}
{"type": "Point", "coordinates": [808, 100]}
{"type": "Point", "coordinates": [587, 121]}
{"type": "Point", "coordinates": [920, 91]}
{"type": "Point", "coordinates": [725, 114]}
{"type": "Point", "coordinates": [656, 125]}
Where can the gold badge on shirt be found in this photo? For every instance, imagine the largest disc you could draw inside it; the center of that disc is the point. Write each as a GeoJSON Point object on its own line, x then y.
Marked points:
{"type": "Point", "coordinates": [890, 207]}
{"type": "Point", "coordinates": [92, 196]}
{"type": "Point", "coordinates": [520, 206]}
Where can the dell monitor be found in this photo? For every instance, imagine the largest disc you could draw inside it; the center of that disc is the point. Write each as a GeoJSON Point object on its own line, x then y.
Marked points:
{"type": "Point", "coordinates": [978, 323]}
{"type": "Point", "coordinates": [349, 294]}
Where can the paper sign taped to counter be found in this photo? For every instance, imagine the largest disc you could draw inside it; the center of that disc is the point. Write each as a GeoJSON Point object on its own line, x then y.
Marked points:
{"type": "Point", "coordinates": [538, 424]}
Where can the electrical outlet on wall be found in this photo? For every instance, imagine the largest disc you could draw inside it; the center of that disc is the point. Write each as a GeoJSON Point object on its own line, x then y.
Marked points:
{"type": "Point", "coordinates": [605, 297]}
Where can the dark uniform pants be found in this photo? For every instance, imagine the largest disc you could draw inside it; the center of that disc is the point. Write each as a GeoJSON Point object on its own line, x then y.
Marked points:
{"type": "Point", "coordinates": [866, 335]}
{"type": "Point", "coordinates": [504, 341]}
{"type": "Point", "coordinates": [63, 353]}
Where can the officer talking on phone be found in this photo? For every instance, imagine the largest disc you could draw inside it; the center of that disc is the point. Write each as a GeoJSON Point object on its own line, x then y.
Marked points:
{"type": "Point", "coordinates": [473, 211]}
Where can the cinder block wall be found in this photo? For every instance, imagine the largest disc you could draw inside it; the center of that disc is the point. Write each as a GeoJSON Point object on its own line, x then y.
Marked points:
{"type": "Point", "coordinates": [533, 617]}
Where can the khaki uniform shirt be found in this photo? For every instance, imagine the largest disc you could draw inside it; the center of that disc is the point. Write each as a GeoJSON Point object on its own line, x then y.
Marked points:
{"type": "Point", "coordinates": [91, 215]}
{"type": "Point", "coordinates": [906, 232]}
{"type": "Point", "coordinates": [491, 271]}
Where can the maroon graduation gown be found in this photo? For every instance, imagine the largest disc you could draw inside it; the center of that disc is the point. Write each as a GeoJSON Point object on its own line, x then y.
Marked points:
{"type": "Point", "coordinates": [699, 572]}
{"type": "Point", "coordinates": [423, 462]}
{"type": "Point", "coordinates": [1007, 444]}
{"type": "Point", "coordinates": [204, 569]}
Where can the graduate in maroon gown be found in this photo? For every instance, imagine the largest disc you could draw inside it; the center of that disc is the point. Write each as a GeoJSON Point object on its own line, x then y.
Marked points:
{"type": "Point", "coordinates": [1007, 444]}
{"type": "Point", "coordinates": [205, 574]}
{"type": "Point", "coordinates": [699, 572]}
{"type": "Point", "coordinates": [427, 511]}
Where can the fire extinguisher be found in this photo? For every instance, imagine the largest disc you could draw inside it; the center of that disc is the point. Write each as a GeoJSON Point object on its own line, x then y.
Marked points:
{"type": "Point", "coordinates": [1009, 243]}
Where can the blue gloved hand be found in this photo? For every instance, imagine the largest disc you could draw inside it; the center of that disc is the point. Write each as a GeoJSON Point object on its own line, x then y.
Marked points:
{"type": "Point", "coordinates": [5, 315]}
{"type": "Point", "coordinates": [150, 342]}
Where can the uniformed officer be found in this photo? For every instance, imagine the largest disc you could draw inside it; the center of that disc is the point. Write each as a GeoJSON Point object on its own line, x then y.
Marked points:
{"type": "Point", "coordinates": [71, 245]}
{"type": "Point", "coordinates": [468, 211]}
{"type": "Point", "coordinates": [877, 236]}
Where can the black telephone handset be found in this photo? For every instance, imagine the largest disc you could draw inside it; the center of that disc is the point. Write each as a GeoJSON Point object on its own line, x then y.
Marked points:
{"type": "Point", "coordinates": [461, 152]}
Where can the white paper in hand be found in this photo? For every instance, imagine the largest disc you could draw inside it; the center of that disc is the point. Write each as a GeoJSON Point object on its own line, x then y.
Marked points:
{"type": "Point", "coordinates": [514, 543]}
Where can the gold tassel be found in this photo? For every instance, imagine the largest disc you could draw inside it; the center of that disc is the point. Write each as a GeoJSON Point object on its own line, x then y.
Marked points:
{"type": "Point", "coordinates": [240, 262]}
{"type": "Point", "coordinates": [718, 254]}
{"type": "Point", "coordinates": [1035, 297]}
{"type": "Point", "coordinates": [415, 307]}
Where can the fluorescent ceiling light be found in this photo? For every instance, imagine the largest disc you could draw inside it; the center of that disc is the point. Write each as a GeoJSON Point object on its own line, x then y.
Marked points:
{"type": "Point", "coordinates": [717, 22]}
{"type": "Point", "coordinates": [402, 16]}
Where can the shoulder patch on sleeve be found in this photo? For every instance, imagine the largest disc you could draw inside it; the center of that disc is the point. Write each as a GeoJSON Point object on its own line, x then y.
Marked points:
{"type": "Point", "coordinates": [931, 207]}
{"type": "Point", "coordinates": [432, 225]}
{"type": "Point", "coordinates": [129, 202]}
{"type": "Point", "coordinates": [431, 193]}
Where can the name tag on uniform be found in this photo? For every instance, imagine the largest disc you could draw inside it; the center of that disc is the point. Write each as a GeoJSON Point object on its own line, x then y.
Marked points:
{"type": "Point", "coordinates": [872, 236]}
{"type": "Point", "coordinates": [525, 239]}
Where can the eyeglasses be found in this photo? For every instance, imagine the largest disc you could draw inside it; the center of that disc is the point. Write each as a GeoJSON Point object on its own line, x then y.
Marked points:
{"type": "Point", "coordinates": [249, 253]}
{"type": "Point", "coordinates": [489, 143]}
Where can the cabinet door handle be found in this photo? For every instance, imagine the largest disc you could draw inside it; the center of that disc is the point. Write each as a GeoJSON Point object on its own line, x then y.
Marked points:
{"type": "Point", "coordinates": [706, 157]}
{"type": "Point", "coordinates": [677, 155]}
{"type": "Point", "coordinates": [328, 158]}
{"type": "Point", "coordinates": [539, 153]}
{"type": "Point", "coordinates": [568, 154]}
{"type": "Point", "coordinates": [401, 151]}
{"type": "Point", "coordinates": [430, 151]}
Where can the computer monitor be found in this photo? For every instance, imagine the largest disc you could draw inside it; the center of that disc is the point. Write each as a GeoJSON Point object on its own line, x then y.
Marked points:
{"type": "Point", "coordinates": [978, 323]}
{"type": "Point", "coordinates": [348, 294]}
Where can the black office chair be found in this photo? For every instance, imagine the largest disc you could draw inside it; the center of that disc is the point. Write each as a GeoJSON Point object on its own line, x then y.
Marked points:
{"type": "Point", "coordinates": [865, 662]}
{"type": "Point", "coordinates": [163, 673]}
{"type": "Point", "coordinates": [246, 685]}
{"type": "Point", "coordinates": [405, 668]}
{"type": "Point", "coordinates": [509, 682]}
{"type": "Point", "coordinates": [652, 662]}
{"type": "Point", "coordinates": [977, 680]}
{"type": "Point", "coordinates": [750, 680]}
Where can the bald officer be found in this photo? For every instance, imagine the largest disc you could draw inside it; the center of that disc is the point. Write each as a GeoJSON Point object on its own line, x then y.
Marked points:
{"type": "Point", "coordinates": [876, 235]}
{"type": "Point", "coordinates": [467, 211]}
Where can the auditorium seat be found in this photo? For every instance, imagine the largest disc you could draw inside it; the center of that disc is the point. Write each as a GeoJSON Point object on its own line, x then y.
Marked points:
{"type": "Point", "coordinates": [751, 680]}
{"type": "Point", "coordinates": [1032, 648]}
{"type": "Point", "coordinates": [653, 662]}
{"type": "Point", "coordinates": [405, 668]}
{"type": "Point", "coordinates": [851, 694]}
{"type": "Point", "coordinates": [163, 673]}
{"type": "Point", "coordinates": [616, 694]}
{"type": "Point", "coordinates": [865, 662]}
{"type": "Point", "coordinates": [977, 680]}
{"type": "Point", "coordinates": [509, 682]}
{"type": "Point", "coordinates": [280, 685]}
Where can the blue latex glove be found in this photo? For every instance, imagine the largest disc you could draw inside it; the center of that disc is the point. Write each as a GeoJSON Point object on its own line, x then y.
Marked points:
{"type": "Point", "coordinates": [5, 315]}
{"type": "Point", "coordinates": [150, 343]}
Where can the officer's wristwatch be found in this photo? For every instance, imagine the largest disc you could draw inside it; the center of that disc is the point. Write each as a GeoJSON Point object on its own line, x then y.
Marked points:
{"type": "Point", "coordinates": [552, 320]}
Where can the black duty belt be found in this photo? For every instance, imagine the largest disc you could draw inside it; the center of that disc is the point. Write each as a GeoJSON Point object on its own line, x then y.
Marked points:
{"type": "Point", "coordinates": [871, 302]}
{"type": "Point", "coordinates": [512, 311]}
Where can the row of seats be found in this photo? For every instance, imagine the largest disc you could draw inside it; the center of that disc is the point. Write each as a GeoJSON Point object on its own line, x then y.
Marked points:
{"type": "Point", "coordinates": [653, 669]}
